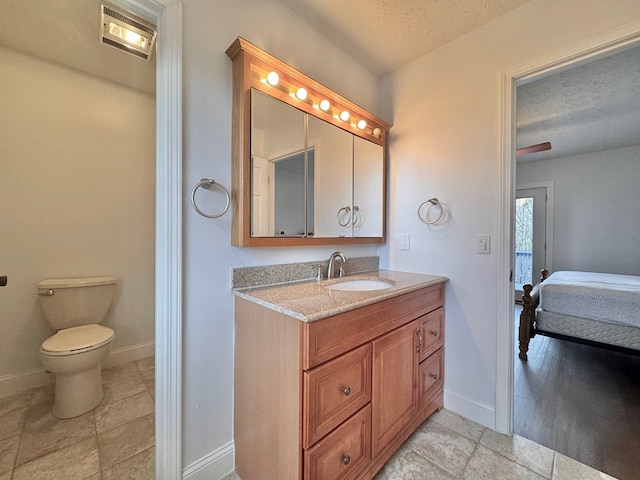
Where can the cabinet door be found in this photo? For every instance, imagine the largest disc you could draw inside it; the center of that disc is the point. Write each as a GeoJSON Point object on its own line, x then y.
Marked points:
{"type": "Point", "coordinates": [394, 387]}
{"type": "Point", "coordinates": [431, 332]}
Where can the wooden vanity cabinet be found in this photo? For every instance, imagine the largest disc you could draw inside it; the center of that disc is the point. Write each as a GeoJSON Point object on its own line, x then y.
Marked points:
{"type": "Point", "coordinates": [333, 399]}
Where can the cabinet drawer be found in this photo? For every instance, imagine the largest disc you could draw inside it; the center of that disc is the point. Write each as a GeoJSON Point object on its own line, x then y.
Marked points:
{"type": "Point", "coordinates": [432, 330]}
{"type": "Point", "coordinates": [343, 453]}
{"type": "Point", "coordinates": [431, 373]}
{"type": "Point", "coordinates": [334, 391]}
{"type": "Point", "coordinates": [327, 338]}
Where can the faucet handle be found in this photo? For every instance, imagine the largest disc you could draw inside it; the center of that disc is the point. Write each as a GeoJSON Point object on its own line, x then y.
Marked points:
{"type": "Point", "coordinates": [319, 275]}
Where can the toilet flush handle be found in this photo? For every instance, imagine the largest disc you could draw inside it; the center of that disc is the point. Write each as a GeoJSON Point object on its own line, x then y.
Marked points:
{"type": "Point", "coordinates": [47, 293]}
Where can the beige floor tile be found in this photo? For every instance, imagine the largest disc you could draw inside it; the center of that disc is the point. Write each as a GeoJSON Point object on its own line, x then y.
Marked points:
{"type": "Point", "coordinates": [527, 453]}
{"type": "Point", "coordinates": [444, 447]}
{"type": "Point", "coordinates": [97, 476]}
{"type": "Point", "coordinates": [11, 423]}
{"type": "Point", "coordinates": [231, 476]}
{"type": "Point", "coordinates": [565, 468]}
{"type": "Point", "coordinates": [76, 462]}
{"type": "Point", "coordinates": [139, 467]}
{"type": "Point", "coordinates": [120, 373]}
{"type": "Point", "coordinates": [8, 451]}
{"type": "Point", "coordinates": [127, 440]}
{"type": "Point", "coordinates": [485, 464]}
{"type": "Point", "coordinates": [5, 476]}
{"type": "Point", "coordinates": [118, 387]}
{"type": "Point", "coordinates": [119, 412]}
{"type": "Point", "coordinates": [151, 387]}
{"type": "Point", "coordinates": [43, 433]}
{"type": "Point", "coordinates": [406, 464]}
{"type": "Point", "coordinates": [461, 425]}
{"type": "Point", "coordinates": [147, 367]}
{"type": "Point", "coordinates": [42, 395]}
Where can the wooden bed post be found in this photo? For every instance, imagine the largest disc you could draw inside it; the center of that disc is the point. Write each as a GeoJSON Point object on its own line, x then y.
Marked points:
{"type": "Point", "coordinates": [526, 322]}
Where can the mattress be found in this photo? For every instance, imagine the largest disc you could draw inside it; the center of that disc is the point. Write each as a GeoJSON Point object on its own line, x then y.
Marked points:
{"type": "Point", "coordinates": [594, 330]}
{"type": "Point", "coordinates": [604, 297]}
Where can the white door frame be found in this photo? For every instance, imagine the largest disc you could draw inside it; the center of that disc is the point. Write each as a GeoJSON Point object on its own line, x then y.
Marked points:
{"type": "Point", "coordinates": [167, 16]}
{"type": "Point", "coordinates": [581, 52]}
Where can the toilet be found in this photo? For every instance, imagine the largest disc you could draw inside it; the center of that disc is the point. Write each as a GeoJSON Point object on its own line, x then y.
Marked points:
{"type": "Point", "coordinates": [74, 307]}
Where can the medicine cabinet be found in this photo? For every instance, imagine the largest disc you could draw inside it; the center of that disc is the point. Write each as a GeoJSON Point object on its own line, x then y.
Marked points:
{"type": "Point", "coordinates": [308, 165]}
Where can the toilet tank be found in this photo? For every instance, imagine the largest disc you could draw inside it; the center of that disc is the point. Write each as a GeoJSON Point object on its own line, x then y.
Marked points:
{"type": "Point", "coordinates": [72, 302]}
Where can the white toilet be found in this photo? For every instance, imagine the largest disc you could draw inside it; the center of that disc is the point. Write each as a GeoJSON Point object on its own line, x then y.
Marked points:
{"type": "Point", "coordinates": [74, 307]}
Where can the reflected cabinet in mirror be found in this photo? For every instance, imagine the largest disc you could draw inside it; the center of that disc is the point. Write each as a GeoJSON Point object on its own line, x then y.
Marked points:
{"type": "Point", "coordinates": [304, 172]}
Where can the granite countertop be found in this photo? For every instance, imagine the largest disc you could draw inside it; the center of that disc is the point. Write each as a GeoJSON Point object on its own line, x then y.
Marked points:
{"type": "Point", "coordinates": [310, 300]}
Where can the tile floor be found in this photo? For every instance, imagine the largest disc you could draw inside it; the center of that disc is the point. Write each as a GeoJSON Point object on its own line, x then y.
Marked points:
{"type": "Point", "coordinates": [114, 441]}
{"type": "Point", "coordinates": [450, 447]}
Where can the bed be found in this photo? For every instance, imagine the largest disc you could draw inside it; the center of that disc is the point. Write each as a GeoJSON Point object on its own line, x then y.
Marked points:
{"type": "Point", "coordinates": [601, 309]}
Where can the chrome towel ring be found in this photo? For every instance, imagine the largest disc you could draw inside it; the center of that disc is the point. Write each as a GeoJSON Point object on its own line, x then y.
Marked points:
{"type": "Point", "coordinates": [207, 183]}
{"type": "Point", "coordinates": [434, 202]}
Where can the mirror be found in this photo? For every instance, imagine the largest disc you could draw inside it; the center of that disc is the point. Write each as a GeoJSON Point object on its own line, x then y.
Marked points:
{"type": "Point", "coordinates": [303, 174]}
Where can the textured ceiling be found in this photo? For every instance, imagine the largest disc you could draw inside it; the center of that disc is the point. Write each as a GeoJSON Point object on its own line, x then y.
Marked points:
{"type": "Point", "coordinates": [589, 108]}
{"type": "Point", "coordinates": [592, 107]}
{"type": "Point", "coordinates": [66, 32]}
{"type": "Point", "coordinates": [386, 34]}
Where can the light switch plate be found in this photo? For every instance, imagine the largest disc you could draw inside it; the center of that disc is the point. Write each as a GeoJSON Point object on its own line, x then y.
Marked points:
{"type": "Point", "coordinates": [483, 244]}
{"type": "Point", "coordinates": [405, 242]}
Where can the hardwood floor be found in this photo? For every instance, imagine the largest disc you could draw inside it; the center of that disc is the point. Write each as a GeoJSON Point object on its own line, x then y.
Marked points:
{"type": "Point", "coordinates": [581, 401]}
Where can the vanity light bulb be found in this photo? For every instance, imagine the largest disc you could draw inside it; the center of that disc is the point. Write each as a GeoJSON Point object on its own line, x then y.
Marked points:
{"type": "Point", "coordinates": [344, 116]}
{"type": "Point", "coordinates": [325, 105]}
{"type": "Point", "coordinates": [301, 94]}
{"type": "Point", "coordinates": [273, 78]}
{"type": "Point", "coordinates": [362, 124]}
{"type": "Point", "coordinates": [376, 132]}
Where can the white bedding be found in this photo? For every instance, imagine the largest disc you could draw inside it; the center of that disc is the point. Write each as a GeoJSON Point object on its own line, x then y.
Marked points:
{"type": "Point", "coordinates": [597, 296]}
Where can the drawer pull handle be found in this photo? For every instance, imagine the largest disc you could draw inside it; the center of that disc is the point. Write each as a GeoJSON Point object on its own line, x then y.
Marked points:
{"type": "Point", "coordinates": [434, 376]}
{"type": "Point", "coordinates": [434, 333]}
{"type": "Point", "coordinates": [346, 391]}
{"type": "Point", "coordinates": [346, 459]}
{"type": "Point", "coordinates": [419, 347]}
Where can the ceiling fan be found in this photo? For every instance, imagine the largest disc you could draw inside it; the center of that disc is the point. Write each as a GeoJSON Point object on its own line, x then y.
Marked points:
{"type": "Point", "coordinates": [538, 147]}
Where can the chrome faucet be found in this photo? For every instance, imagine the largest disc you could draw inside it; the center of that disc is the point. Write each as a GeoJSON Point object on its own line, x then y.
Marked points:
{"type": "Point", "coordinates": [336, 256]}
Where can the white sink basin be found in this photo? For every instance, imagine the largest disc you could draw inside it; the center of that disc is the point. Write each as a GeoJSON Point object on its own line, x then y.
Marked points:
{"type": "Point", "coordinates": [359, 285]}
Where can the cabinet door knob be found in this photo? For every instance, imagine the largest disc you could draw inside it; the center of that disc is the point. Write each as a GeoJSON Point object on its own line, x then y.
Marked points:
{"type": "Point", "coordinates": [346, 391]}
{"type": "Point", "coordinates": [434, 376]}
{"type": "Point", "coordinates": [434, 333]}
{"type": "Point", "coordinates": [346, 459]}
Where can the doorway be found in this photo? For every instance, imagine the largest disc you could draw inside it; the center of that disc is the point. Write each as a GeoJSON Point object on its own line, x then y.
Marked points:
{"type": "Point", "coordinates": [592, 48]}
{"type": "Point", "coordinates": [533, 231]}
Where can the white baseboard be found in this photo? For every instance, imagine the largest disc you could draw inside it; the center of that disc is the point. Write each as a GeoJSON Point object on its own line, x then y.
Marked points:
{"type": "Point", "coordinates": [18, 382]}
{"type": "Point", "coordinates": [216, 465]}
{"type": "Point", "coordinates": [120, 356]}
{"type": "Point", "coordinates": [472, 409]}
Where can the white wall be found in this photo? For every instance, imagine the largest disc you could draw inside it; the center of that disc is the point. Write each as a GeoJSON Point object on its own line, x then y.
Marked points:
{"type": "Point", "coordinates": [596, 227]}
{"type": "Point", "coordinates": [77, 169]}
{"type": "Point", "coordinates": [209, 28]}
{"type": "Point", "coordinates": [445, 142]}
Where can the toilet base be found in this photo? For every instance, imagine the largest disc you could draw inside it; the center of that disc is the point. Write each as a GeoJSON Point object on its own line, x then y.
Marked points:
{"type": "Point", "coordinates": [77, 393]}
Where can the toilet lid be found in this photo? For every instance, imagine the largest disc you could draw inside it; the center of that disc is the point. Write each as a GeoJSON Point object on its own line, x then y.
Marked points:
{"type": "Point", "coordinates": [78, 338]}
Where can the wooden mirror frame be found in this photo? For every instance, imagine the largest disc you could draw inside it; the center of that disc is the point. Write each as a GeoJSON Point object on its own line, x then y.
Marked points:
{"type": "Point", "coordinates": [250, 68]}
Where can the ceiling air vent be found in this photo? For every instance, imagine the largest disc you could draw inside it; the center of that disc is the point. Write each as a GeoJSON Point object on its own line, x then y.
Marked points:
{"type": "Point", "coordinates": [126, 32]}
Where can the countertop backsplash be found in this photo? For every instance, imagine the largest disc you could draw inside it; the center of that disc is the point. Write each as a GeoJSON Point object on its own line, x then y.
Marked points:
{"type": "Point", "coordinates": [246, 277]}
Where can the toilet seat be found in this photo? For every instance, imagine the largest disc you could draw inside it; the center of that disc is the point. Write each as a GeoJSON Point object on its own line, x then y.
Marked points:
{"type": "Point", "coordinates": [70, 341]}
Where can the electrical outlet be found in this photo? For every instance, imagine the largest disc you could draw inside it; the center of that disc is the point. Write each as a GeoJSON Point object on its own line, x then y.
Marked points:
{"type": "Point", "coordinates": [405, 242]}
{"type": "Point", "coordinates": [483, 244]}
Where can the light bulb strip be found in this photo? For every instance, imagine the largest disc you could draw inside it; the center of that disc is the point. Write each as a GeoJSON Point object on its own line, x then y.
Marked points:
{"type": "Point", "coordinates": [314, 99]}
